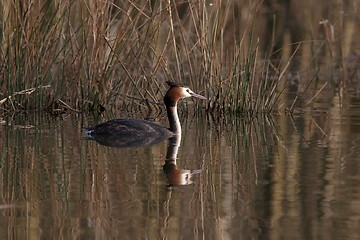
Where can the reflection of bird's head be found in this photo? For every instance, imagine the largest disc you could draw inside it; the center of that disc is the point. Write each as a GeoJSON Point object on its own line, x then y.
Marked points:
{"type": "Point", "coordinates": [176, 176]}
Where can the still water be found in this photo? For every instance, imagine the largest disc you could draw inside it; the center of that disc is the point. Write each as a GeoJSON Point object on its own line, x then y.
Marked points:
{"type": "Point", "coordinates": [278, 177]}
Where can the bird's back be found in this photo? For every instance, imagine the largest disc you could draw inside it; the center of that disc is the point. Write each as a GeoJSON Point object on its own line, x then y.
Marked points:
{"type": "Point", "coordinates": [128, 133]}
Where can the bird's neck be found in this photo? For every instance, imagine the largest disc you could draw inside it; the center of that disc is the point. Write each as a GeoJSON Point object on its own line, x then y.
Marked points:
{"type": "Point", "coordinates": [174, 121]}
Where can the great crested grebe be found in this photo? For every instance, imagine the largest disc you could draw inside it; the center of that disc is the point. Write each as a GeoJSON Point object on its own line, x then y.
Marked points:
{"type": "Point", "coordinates": [139, 132]}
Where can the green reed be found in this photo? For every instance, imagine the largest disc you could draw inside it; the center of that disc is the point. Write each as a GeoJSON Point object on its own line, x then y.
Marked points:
{"type": "Point", "coordinates": [91, 55]}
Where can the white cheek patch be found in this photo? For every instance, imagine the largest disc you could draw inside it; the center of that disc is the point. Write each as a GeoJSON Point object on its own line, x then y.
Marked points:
{"type": "Point", "coordinates": [187, 92]}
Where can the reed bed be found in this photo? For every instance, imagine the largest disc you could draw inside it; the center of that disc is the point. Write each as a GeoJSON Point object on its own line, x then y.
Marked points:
{"type": "Point", "coordinates": [116, 55]}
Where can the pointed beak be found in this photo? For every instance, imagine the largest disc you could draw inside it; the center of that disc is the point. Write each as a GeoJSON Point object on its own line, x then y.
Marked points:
{"type": "Point", "coordinates": [195, 95]}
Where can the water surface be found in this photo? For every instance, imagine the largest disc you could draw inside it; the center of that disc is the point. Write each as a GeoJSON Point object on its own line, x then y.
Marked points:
{"type": "Point", "coordinates": [278, 177]}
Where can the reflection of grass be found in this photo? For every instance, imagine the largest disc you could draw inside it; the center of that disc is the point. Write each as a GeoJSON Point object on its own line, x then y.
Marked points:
{"type": "Point", "coordinates": [92, 54]}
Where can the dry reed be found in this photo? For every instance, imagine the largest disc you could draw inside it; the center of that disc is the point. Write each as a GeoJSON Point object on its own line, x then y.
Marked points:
{"type": "Point", "coordinates": [92, 55]}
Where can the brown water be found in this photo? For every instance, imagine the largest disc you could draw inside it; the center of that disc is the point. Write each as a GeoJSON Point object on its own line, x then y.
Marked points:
{"type": "Point", "coordinates": [267, 178]}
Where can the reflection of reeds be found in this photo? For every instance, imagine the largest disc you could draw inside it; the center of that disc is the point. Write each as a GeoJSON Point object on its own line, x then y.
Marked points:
{"type": "Point", "coordinates": [92, 54]}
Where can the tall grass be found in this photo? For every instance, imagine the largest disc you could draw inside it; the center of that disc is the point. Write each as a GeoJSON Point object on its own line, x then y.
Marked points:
{"type": "Point", "coordinates": [91, 55]}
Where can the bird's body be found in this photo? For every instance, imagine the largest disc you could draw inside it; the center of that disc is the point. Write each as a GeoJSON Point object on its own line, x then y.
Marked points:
{"type": "Point", "coordinates": [138, 127]}
{"type": "Point", "coordinates": [139, 132]}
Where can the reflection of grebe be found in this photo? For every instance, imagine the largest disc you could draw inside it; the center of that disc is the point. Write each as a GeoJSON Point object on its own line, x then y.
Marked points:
{"type": "Point", "coordinates": [177, 176]}
{"type": "Point", "coordinates": [139, 132]}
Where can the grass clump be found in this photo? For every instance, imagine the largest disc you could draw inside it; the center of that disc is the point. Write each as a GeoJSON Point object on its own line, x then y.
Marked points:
{"type": "Point", "coordinates": [91, 55]}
